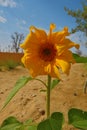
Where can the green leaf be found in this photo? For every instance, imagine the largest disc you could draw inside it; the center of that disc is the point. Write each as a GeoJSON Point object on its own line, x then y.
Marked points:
{"type": "Point", "coordinates": [9, 120]}
{"type": "Point", "coordinates": [49, 124]}
{"type": "Point", "coordinates": [19, 84]}
{"type": "Point", "coordinates": [78, 118]}
{"type": "Point", "coordinates": [28, 122]}
{"type": "Point", "coordinates": [33, 127]}
{"type": "Point", "coordinates": [11, 123]}
{"type": "Point", "coordinates": [58, 116]}
{"type": "Point", "coordinates": [54, 83]}
{"type": "Point", "coordinates": [80, 124]}
{"type": "Point", "coordinates": [14, 126]}
{"type": "Point", "coordinates": [30, 125]}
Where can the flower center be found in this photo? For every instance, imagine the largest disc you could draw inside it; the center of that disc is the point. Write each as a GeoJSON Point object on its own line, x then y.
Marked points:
{"type": "Point", "coordinates": [47, 52]}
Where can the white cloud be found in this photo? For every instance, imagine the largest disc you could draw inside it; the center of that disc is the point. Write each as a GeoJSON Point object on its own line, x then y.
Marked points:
{"type": "Point", "coordinates": [6, 3]}
{"type": "Point", "coordinates": [3, 20]}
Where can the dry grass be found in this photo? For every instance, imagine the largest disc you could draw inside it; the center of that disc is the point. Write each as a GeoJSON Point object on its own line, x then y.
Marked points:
{"type": "Point", "coordinates": [9, 60]}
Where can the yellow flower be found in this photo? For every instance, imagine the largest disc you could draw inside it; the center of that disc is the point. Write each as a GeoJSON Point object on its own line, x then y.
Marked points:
{"type": "Point", "coordinates": [45, 54]}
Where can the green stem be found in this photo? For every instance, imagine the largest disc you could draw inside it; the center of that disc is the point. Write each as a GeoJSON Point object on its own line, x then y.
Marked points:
{"type": "Point", "coordinates": [48, 96]}
{"type": "Point", "coordinates": [41, 82]}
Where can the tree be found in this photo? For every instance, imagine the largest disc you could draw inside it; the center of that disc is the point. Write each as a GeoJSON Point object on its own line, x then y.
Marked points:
{"type": "Point", "coordinates": [80, 16]}
{"type": "Point", "coordinates": [17, 39]}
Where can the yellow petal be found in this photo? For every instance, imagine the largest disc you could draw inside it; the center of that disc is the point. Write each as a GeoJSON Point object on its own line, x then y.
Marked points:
{"type": "Point", "coordinates": [36, 36]}
{"type": "Point", "coordinates": [67, 56]}
{"type": "Point", "coordinates": [65, 45]}
{"type": "Point", "coordinates": [69, 44]}
{"type": "Point", "coordinates": [34, 64]}
{"type": "Point", "coordinates": [30, 39]}
{"type": "Point", "coordinates": [52, 27]}
{"type": "Point", "coordinates": [56, 71]}
{"type": "Point", "coordinates": [56, 37]}
{"type": "Point", "coordinates": [47, 68]}
{"type": "Point", "coordinates": [64, 65]}
{"type": "Point", "coordinates": [40, 34]}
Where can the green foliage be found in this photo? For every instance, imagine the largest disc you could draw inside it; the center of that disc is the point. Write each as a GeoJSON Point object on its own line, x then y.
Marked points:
{"type": "Point", "coordinates": [11, 123]}
{"type": "Point", "coordinates": [19, 84]}
{"type": "Point", "coordinates": [80, 59]}
{"type": "Point", "coordinates": [80, 16]}
{"type": "Point", "coordinates": [78, 118]}
{"type": "Point", "coordinates": [8, 65]}
{"type": "Point", "coordinates": [53, 123]}
{"type": "Point", "coordinates": [59, 117]}
{"type": "Point", "coordinates": [54, 83]}
{"type": "Point", "coordinates": [11, 64]}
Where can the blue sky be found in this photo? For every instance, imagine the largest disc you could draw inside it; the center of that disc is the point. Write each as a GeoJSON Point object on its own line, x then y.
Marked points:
{"type": "Point", "coordinates": [19, 15]}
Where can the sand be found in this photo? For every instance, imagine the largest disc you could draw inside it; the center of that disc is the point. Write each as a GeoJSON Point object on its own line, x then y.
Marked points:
{"type": "Point", "coordinates": [29, 102]}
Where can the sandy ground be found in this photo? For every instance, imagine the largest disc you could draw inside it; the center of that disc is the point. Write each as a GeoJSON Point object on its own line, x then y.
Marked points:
{"type": "Point", "coordinates": [29, 102]}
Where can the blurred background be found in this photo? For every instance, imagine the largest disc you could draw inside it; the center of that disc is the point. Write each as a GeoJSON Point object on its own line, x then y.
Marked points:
{"type": "Point", "coordinates": [16, 16]}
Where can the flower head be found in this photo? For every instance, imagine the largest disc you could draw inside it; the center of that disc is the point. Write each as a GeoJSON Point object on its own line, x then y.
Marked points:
{"type": "Point", "coordinates": [45, 54]}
